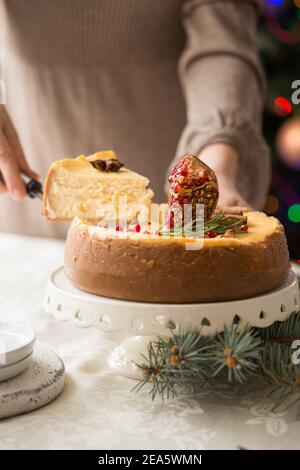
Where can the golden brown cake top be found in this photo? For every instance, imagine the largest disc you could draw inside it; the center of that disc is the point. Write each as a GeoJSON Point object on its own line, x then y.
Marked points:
{"type": "Point", "coordinates": [260, 226]}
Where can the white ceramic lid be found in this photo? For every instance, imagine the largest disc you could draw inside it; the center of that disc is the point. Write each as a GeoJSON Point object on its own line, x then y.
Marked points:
{"type": "Point", "coordinates": [16, 342]}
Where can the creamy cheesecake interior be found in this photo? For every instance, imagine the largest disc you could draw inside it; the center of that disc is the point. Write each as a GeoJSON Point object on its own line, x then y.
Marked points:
{"type": "Point", "coordinates": [74, 187]}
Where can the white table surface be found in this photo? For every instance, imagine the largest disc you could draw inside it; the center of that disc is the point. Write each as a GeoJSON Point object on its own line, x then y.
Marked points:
{"type": "Point", "coordinates": [97, 409]}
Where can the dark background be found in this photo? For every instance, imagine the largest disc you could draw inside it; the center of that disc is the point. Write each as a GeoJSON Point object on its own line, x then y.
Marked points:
{"type": "Point", "coordinates": [279, 43]}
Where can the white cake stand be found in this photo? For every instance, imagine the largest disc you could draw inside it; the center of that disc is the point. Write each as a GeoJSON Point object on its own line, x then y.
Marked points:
{"type": "Point", "coordinates": [136, 323]}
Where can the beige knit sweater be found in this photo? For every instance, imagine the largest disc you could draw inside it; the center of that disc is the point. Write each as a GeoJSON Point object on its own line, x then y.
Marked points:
{"type": "Point", "coordinates": [151, 79]}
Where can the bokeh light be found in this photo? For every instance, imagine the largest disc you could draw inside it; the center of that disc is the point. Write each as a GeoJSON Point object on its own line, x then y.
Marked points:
{"type": "Point", "coordinates": [271, 204]}
{"type": "Point", "coordinates": [288, 142]}
{"type": "Point", "coordinates": [272, 14]}
{"type": "Point", "coordinates": [294, 213]}
{"type": "Point", "coordinates": [282, 106]}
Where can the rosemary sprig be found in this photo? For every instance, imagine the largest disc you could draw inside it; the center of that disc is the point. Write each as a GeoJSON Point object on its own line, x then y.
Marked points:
{"type": "Point", "coordinates": [219, 223]}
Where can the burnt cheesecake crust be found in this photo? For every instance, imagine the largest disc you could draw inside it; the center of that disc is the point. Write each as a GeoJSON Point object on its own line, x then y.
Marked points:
{"type": "Point", "coordinates": [137, 267]}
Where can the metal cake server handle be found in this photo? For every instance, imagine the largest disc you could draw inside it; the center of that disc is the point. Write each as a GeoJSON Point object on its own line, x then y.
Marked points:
{"type": "Point", "coordinates": [34, 188]}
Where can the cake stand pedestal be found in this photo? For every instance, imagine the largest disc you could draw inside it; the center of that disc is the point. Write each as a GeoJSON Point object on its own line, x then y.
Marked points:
{"type": "Point", "coordinates": [134, 324]}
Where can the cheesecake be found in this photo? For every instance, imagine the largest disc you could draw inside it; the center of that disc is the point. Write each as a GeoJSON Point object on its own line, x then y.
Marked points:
{"type": "Point", "coordinates": [135, 265]}
{"type": "Point", "coordinates": [94, 187]}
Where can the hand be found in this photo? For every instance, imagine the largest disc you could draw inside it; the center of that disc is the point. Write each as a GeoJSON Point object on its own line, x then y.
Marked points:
{"type": "Point", "coordinates": [12, 159]}
{"type": "Point", "coordinates": [229, 195]}
{"type": "Point", "coordinates": [224, 160]}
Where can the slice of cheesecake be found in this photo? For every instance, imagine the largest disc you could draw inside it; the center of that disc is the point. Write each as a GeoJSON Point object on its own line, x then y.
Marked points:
{"type": "Point", "coordinates": [94, 187]}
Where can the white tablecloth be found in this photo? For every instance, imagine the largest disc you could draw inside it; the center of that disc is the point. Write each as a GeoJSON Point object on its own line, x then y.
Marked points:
{"type": "Point", "coordinates": [97, 409]}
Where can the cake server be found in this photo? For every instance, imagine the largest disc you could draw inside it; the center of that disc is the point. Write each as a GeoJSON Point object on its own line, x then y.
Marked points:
{"type": "Point", "coordinates": [34, 188]}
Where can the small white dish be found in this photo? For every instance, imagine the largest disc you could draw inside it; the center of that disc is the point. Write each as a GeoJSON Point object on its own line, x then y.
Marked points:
{"type": "Point", "coordinates": [8, 372]}
{"type": "Point", "coordinates": [16, 342]}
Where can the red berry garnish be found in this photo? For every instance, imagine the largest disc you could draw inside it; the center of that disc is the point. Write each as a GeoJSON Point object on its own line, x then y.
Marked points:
{"type": "Point", "coordinates": [244, 228]}
{"type": "Point", "coordinates": [170, 219]}
{"type": "Point", "coordinates": [119, 229]}
{"type": "Point", "coordinates": [137, 228]}
{"type": "Point", "coordinates": [212, 234]}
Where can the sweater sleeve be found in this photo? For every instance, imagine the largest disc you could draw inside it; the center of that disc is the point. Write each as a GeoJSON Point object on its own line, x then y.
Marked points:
{"type": "Point", "coordinates": [223, 84]}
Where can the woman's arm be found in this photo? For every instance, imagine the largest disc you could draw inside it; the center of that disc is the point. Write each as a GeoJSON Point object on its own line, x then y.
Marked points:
{"type": "Point", "coordinates": [225, 160]}
{"type": "Point", "coordinates": [12, 159]}
{"type": "Point", "coordinates": [224, 86]}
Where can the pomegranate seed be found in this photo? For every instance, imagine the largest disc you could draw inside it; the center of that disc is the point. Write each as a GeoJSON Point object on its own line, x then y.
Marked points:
{"type": "Point", "coordinates": [244, 228]}
{"type": "Point", "coordinates": [181, 180]}
{"type": "Point", "coordinates": [204, 177]}
{"type": "Point", "coordinates": [137, 228]}
{"type": "Point", "coordinates": [170, 219]}
{"type": "Point", "coordinates": [212, 234]}
{"type": "Point", "coordinates": [119, 229]}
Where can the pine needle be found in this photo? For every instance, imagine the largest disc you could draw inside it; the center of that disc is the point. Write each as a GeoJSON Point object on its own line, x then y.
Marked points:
{"type": "Point", "coordinates": [189, 362]}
